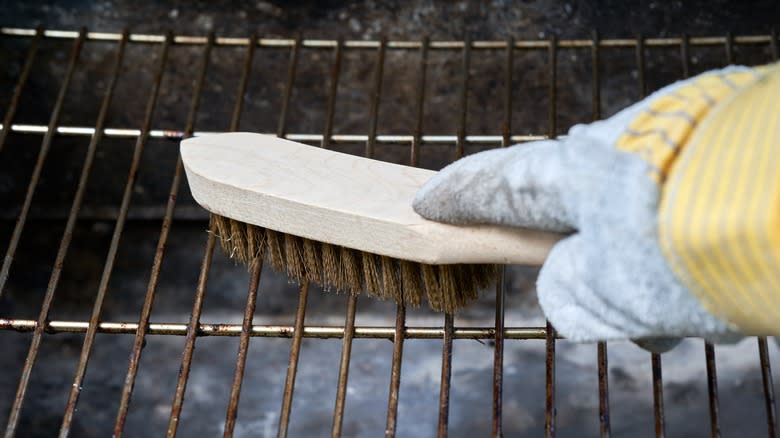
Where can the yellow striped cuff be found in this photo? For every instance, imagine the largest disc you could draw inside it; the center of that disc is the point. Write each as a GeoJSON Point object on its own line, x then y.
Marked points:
{"type": "Point", "coordinates": [719, 216]}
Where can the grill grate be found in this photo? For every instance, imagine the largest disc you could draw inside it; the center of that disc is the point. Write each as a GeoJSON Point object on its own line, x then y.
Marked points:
{"type": "Point", "coordinates": [417, 54]}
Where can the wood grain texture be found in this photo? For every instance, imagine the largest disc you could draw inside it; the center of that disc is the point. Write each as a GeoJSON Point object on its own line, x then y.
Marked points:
{"type": "Point", "coordinates": [340, 199]}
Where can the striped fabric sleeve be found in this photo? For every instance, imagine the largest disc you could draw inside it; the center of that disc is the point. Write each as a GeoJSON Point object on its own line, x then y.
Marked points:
{"type": "Point", "coordinates": [719, 215]}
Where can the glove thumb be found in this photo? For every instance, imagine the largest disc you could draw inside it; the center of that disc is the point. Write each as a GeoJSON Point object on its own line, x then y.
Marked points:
{"type": "Point", "coordinates": [519, 186]}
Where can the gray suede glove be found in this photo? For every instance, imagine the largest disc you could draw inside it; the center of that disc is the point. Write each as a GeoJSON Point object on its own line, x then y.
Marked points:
{"type": "Point", "coordinates": [608, 279]}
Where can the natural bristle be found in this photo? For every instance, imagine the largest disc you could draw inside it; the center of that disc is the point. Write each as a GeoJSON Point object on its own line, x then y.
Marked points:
{"type": "Point", "coordinates": [446, 287]}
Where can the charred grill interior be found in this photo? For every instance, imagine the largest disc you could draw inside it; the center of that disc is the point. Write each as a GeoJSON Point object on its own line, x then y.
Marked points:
{"type": "Point", "coordinates": [118, 316]}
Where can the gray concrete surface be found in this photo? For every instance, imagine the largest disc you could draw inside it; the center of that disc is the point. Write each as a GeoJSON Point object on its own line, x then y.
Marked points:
{"type": "Point", "coordinates": [685, 386]}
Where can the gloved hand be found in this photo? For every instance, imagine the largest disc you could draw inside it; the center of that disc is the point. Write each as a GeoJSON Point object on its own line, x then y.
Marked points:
{"type": "Point", "coordinates": [612, 278]}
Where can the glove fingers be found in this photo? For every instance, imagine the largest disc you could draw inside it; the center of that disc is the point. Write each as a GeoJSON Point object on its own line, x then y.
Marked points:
{"type": "Point", "coordinates": [521, 186]}
{"type": "Point", "coordinates": [568, 298]}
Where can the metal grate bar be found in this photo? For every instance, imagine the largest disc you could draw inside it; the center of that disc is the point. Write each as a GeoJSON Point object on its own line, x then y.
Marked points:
{"type": "Point", "coordinates": [300, 315]}
{"type": "Point", "coordinates": [189, 345]}
{"type": "Point", "coordinates": [373, 114]}
{"type": "Point", "coordinates": [601, 348]}
{"type": "Point", "coordinates": [449, 319]}
{"type": "Point", "coordinates": [464, 101]}
{"type": "Point", "coordinates": [400, 313]}
{"type": "Point", "coordinates": [251, 299]}
{"type": "Point", "coordinates": [243, 348]}
{"type": "Point", "coordinates": [89, 338]}
{"type": "Point", "coordinates": [549, 421]}
{"type": "Point", "coordinates": [143, 323]}
{"type": "Point", "coordinates": [13, 419]}
{"type": "Point", "coordinates": [295, 50]}
{"type": "Point", "coordinates": [420, 104]}
{"type": "Point", "coordinates": [769, 392]}
{"type": "Point", "coordinates": [334, 86]}
{"type": "Point", "coordinates": [273, 331]}
{"type": "Point", "coordinates": [349, 329]}
{"type": "Point", "coordinates": [346, 354]}
{"type": "Point", "coordinates": [446, 374]}
{"type": "Point", "coordinates": [87, 131]}
{"type": "Point", "coordinates": [373, 44]}
{"type": "Point", "coordinates": [712, 389]}
{"type": "Point", "coordinates": [729, 46]}
{"type": "Point", "coordinates": [658, 395]}
{"type": "Point", "coordinates": [709, 349]}
{"type": "Point", "coordinates": [292, 367]}
{"type": "Point", "coordinates": [655, 358]}
{"type": "Point", "coordinates": [641, 66]}
{"type": "Point", "coordinates": [498, 353]}
{"type": "Point", "coordinates": [685, 56]}
{"type": "Point", "coordinates": [28, 62]}
{"type": "Point", "coordinates": [395, 370]}
{"type": "Point", "coordinates": [349, 320]}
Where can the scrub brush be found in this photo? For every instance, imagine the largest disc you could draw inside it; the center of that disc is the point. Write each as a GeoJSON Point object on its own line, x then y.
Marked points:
{"type": "Point", "coordinates": [345, 222]}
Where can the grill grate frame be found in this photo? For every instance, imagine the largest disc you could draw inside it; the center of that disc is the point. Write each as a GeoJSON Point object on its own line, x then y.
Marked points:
{"type": "Point", "coordinates": [194, 329]}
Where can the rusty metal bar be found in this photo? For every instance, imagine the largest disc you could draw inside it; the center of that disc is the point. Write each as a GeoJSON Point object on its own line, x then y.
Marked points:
{"type": "Point", "coordinates": [498, 352]}
{"type": "Point", "coordinates": [729, 46]}
{"type": "Point", "coordinates": [332, 91]}
{"type": "Point", "coordinates": [712, 389]}
{"type": "Point", "coordinates": [273, 331]}
{"type": "Point", "coordinates": [464, 99]}
{"type": "Point", "coordinates": [349, 323]}
{"type": "Point", "coordinates": [420, 104]}
{"type": "Point", "coordinates": [346, 352]}
{"type": "Point", "coordinates": [235, 119]}
{"type": "Point", "coordinates": [292, 67]}
{"type": "Point", "coordinates": [658, 395]}
{"type": "Point", "coordinates": [17, 94]}
{"type": "Point", "coordinates": [602, 356]}
{"type": "Point", "coordinates": [189, 345]}
{"type": "Point", "coordinates": [640, 66]}
{"type": "Point", "coordinates": [135, 355]}
{"type": "Point", "coordinates": [549, 406]}
{"type": "Point", "coordinates": [375, 95]}
{"type": "Point", "coordinates": [685, 55]}
{"type": "Point", "coordinates": [498, 355]}
{"type": "Point", "coordinates": [655, 358]}
{"type": "Point", "coordinates": [251, 299]}
{"type": "Point", "coordinates": [303, 296]}
{"type": "Point", "coordinates": [549, 422]}
{"type": "Point", "coordinates": [506, 126]}
{"type": "Point", "coordinates": [42, 154]}
{"type": "Point", "coordinates": [769, 392]}
{"type": "Point", "coordinates": [400, 313]}
{"type": "Point", "coordinates": [142, 326]}
{"type": "Point", "coordinates": [446, 374]}
{"type": "Point", "coordinates": [395, 370]}
{"type": "Point", "coordinates": [243, 348]}
{"type": "Point", "coordinates": [373, 44]}
{"type": "Point", "coordinates": [89, 338]}
{"type": "Point", "coordinates": [402, 140]}
{"type": "Point", "coordinates": [24, 379]}
{"type": "Point", "coordinates": [449, 319]}
{"type": "Point", "coordinates": [400, 333]}
{"type": "Point", "coordinates": [292, 367]}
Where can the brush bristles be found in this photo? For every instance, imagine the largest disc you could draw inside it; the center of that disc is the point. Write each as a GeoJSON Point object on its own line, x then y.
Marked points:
{"type": "Point", "coordinates": [446, 287]}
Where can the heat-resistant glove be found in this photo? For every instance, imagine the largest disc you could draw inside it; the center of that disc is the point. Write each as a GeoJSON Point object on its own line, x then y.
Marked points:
{"type": "Point", "coordinates": [673, 205]}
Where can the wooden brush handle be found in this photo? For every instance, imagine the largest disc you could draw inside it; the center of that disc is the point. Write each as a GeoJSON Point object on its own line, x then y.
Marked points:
{"type": "Point", "coordinates": [340, 199]}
